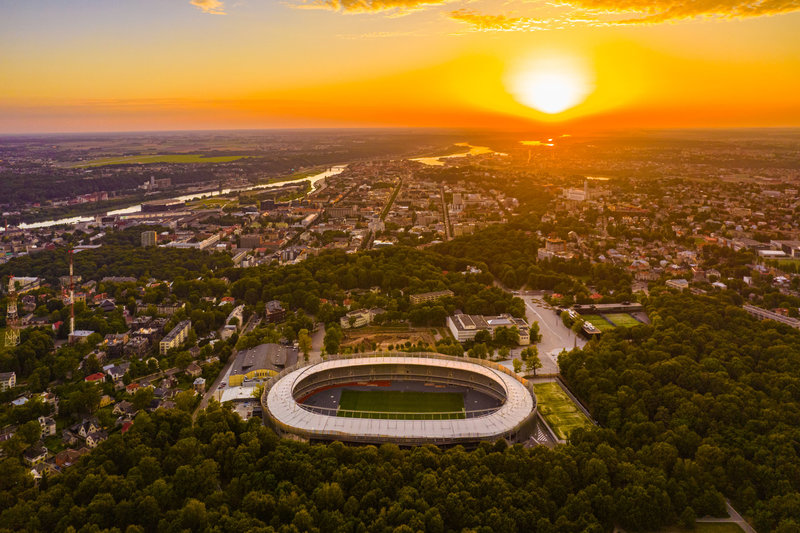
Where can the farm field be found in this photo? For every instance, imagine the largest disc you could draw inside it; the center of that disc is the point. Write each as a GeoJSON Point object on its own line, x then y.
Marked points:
{"type": "Point", "coordinates": [599, 322]}
{"type": "Point", "coordinates": [163, 158]}
{"type": "Point", "coordinates": [402, 403]}
{"type": "Point", "coordinates": [558, 410]}
{"type": "Point", "coordinates": [622, 319]}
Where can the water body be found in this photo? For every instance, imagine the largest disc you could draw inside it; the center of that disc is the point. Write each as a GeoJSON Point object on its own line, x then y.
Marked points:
{"type": "Point", "coordinates": [473, 150]}
{"type": "Point", "coordinates": [314, 179]}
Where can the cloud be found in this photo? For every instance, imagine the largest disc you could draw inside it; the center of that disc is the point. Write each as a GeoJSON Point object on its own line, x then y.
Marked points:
{"type": "Point", "coordinates": [579, 12]}
{"type": "Point", "coordinates": [486, 23]}
{"type": "Point", "coordinates": [369, 6]}
{"type": "Point", "coordinates": [627, 12]}
{"type": "Point", "coordinates": [212, 7]}
{"type": "Point", "coordinates": [651, 12]}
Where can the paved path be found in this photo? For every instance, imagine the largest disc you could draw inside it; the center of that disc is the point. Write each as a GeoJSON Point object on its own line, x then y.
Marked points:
{"type": "Point", "coordinates": [733, 517]}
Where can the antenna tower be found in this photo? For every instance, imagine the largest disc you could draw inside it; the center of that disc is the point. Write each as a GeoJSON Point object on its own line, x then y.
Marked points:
{"type": "Point", "coordinates": [12, 318]}
{"type": "Point", "coordinates": [71, 295]}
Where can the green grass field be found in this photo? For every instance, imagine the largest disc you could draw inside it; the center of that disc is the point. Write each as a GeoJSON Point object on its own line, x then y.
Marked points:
{"type": "Point", "coordinates": [599, 322]}
{"type": "Point", "coordinates": [558, 410]}
{"type": "Point", "coordinates": [164, 158]}
{"type": "Point", "coordinates": [399, 405]}
{"type": "Point", "coordinates": [622, 319]}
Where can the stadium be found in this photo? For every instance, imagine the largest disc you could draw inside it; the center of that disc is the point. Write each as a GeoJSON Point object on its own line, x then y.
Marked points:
{"type": "Point", "coordinates": [407, 399]}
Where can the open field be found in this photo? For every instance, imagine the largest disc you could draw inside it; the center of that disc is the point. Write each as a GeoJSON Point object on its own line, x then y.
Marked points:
{"type": "Point", "coordinates": [558, 410]}
{"type": "Point", "coordinates": [212, 203]}
{"type": "Point", "coordinates": [381, 403]}
{"type": "Point", "coordinates": [599, 322]}
{"type": "Point", "coordinates": [163, 158]}
{"type": "Point", "coordinates": [384, 336]}
{"type": "Point", "coordinates": [622, 319]}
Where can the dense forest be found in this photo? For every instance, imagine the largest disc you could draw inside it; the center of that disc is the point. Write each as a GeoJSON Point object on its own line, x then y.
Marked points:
{"type": "Point", "coordinates": [222, 474]}
{"type": "Point", "coordinates": [698, 406]}
{"type": "Point", "coordinates": [705, 388]}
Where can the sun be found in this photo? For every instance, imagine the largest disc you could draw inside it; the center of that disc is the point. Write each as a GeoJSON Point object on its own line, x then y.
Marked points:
{"type": "Point", "coordinates": [551, 84]}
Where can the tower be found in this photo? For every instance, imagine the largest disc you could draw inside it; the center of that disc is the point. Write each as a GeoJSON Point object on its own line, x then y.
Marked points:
{"type": "Point", "coordinates": [71, 296]}
{"type": "Point", "coordinates": [12, 318]}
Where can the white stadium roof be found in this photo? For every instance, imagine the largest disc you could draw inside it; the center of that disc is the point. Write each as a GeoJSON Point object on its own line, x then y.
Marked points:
{"type": "Point", "coordinates": [288, 414]}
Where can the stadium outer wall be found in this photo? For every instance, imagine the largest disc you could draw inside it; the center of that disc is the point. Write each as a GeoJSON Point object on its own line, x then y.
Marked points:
{"type": "Point", "coordinates": [511, 421]}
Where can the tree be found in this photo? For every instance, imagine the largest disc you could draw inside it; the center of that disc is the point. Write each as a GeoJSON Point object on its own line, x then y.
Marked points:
{"type": "Point", "coordinates": [142, 398]}
{"type": "Point", "coordinates": [503, 352]}
{"type": "Point", "coordinates": [304, 341]}
{"type": "Point", "coordinates": [333, 338]}
{"type": "Point", "coordinates": [479, 351]}
{"type": "Point", "coordinates": [535, 335]}
{"type": "Point", "coordinates": [186, 400]}
{"type": "Point", "coordinates": [30, 432]}
{"type": "Point", "coordinates": [531, 358]}
{"type": "Point", "coordinates": [517, 366]}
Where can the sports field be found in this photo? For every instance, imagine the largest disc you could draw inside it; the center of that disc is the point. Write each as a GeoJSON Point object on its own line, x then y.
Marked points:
{"type": "Point", "coordinates": [558, 410]}
{"type": "Point", "coordinates": [599, 322]}
{"type": "Point", "coordinates": [623, 320]}
{"type": "Point", "coordinates": [163, 158]}
{"type": "Point", "coordinates": [402, 405]}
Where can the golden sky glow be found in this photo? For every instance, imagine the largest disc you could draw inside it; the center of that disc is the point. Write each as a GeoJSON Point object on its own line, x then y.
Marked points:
{"type": "Point", "coordinates": [521, 64]}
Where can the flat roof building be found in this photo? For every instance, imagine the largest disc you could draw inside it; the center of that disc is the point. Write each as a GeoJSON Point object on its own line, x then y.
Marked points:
{"type": "Point", "coordinates": [465, 327]}
{"type": "Point", "coordinates": [176, 337]}
{"type": "Point", "coordinates": [429, 296]}
{"type": "Point", "coordinates": [260, 362]}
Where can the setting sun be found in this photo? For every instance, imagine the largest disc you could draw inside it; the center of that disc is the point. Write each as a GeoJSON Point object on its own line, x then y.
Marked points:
{"type": "Point", "coordinates": [551, 85]}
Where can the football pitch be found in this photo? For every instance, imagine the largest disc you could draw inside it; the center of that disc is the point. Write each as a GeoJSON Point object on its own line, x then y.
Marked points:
{"type": "Point", "coordinates": [623, 320]}
{"type": "Point", "coordinates": [599, 322]}
{"type": "Point", "coordinates": [401, 405]}
{"type": "Point", "coordinates": [558, 410]}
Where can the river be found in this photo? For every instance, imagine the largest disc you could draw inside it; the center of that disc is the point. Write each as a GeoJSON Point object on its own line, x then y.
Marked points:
{"type": "Point", "coordinates": [473, 150]}
{"type": "Point", "coordinates": [187, 198]}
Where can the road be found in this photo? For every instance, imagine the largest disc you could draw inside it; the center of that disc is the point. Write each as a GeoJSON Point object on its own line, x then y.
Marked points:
{"type": "Point", "coordinates": [210, 390]}
{"type": "Point", "coordinates": [317, 336]}
{"type": "Point", "coordinates": [445, 218]}
{"type": "Point", "coordinates": [555, 335]}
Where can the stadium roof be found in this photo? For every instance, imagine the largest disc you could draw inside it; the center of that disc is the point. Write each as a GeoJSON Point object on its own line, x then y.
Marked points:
{"type": "Point", "coordinates": [283, 408]}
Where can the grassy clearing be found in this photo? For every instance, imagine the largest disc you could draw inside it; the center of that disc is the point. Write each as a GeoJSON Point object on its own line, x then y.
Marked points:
{"type": "Point", "coordinates": [599, 322]}
{"type": "Point", "coordinates": [558, 410]}
{"type": "Point", "coordinates": [212, 203]}
{"type": "Point", "coordinates": [158, 158]}
{"type": "Point", "coordinates": [399, 405]}
{"type": "Point", "coordinates": [622, 319]}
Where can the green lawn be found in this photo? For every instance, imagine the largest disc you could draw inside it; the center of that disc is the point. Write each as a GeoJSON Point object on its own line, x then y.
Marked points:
{"type": "Point", "coordinates": [558, 410]}
{"type": "Point", "coordinates": [622, 319]}
{"type": "Point", "coordinates": [599, 322]}
{"type": "Point", "coordinates": [164, 158]}
{"type": "Point", "coordinates": [400, 405]}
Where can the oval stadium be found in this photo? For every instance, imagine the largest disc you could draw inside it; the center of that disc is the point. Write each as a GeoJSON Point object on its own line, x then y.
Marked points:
{"type": "Point", "coordinates": [407, 399]}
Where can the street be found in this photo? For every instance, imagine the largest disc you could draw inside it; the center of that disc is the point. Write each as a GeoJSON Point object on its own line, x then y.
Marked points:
{"type": "Point", "coordinates": [555, 335]}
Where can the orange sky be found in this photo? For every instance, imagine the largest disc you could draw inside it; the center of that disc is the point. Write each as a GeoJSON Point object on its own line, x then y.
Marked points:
{"type": "Point", "coordinates": [152, 65]}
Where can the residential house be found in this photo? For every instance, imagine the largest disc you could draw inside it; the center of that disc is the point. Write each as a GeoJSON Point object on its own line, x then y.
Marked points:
{"type": "Point", "coordinates": [8, 380]}
{"type": "Point", "coordinates": [48, 426]}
